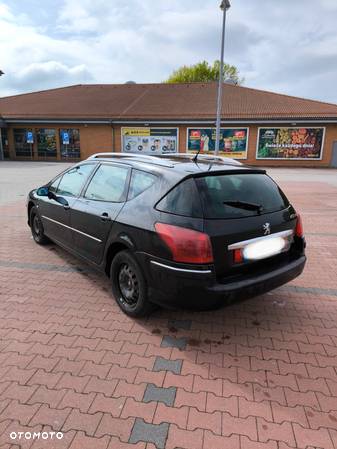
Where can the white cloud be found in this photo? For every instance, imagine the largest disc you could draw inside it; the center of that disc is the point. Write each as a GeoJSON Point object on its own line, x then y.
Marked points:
{"type": "Point", "coordinates": [42, 75]}
{"type": "Point", "coordinates": [278, 46]}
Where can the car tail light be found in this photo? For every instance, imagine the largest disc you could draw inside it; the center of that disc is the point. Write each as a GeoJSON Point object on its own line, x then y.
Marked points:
{"type": "Point", "coordinates": [237, 255]}
{"type": "Point", "coordinates": [186, 245]}
{"type": "Point", "coordinates": [299, 227]}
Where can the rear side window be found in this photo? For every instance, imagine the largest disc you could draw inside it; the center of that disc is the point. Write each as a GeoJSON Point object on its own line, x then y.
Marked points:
{"type": "Point", "coordinates": [239, 195]}
{"type": "Point", "coordinates": [140, 181]}
{"type": "Point", "coordinates": [182, 200]}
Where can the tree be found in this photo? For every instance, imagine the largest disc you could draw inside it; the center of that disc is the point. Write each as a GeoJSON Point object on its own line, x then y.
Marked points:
{"type": "Point", "coordinates": [204, 72]}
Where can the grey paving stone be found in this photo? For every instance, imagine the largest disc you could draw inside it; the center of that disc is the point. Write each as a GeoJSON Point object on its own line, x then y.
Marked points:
{"type": "Point", "coordinates": [150, 433]}
{"type": "Point", "coordinates": [162, 364]}
{"type": "Point", "coordinates": [159, 394]}
{"type": "Point", "coordinates": [313, 290]}
{"type": "Point", "coordinates": [172, 342]}
{"type": "Point", "coordinates": [180, 324]}
{"type": "Point", "coordinates": [37, 266]}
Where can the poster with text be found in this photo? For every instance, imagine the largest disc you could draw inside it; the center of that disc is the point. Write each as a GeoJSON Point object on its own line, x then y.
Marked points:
{"type": "Point", "coordinates": [233, 141]}
{"type": "Point", "coordinates": [290, 143]}
{"type": "Point", "coordinates": [150, 140]}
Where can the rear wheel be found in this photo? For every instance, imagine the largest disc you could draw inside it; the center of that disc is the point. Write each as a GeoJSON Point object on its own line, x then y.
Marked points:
{"type": "Point", "coordinates": [36, 227]}
{"type": "Point", "coordinates": [129, 285]}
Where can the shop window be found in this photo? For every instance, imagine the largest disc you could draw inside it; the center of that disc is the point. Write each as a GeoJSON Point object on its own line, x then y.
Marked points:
{"type": "Point", "coordinates": [22, 148]}
{"type": "Point", "coordinates": [70, 143]}
{"type": "Point", "coordinates": [46, 142]}
{"type": "Point", "coordinates": [4, 140]}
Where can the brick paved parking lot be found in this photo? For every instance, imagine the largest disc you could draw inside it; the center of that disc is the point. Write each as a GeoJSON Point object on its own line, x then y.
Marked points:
{"type": "Point", "coordinates": [258, 374]}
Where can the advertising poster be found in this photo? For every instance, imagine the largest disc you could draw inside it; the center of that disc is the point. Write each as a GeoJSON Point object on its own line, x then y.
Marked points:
{"type": "Point", "coordinates": [148, 140]}
{"type": "Point", "coordinates": [233, 141]}
{"type": "Point", "coordinates": [290, 143]}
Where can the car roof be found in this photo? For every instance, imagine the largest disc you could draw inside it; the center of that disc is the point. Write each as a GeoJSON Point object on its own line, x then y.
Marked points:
{"type": "Point", "coordinates": [182, 163]}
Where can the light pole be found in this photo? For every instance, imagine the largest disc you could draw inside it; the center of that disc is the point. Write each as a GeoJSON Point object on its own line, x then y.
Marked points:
{"type": "Point", "coordinates": [1, 148]}
{"type": "Point", "coordinates": [225, 5]}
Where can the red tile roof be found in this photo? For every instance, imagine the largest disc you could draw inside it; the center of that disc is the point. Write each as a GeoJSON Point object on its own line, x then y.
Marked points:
{"type": "Point", "coordinates": [160, 101]}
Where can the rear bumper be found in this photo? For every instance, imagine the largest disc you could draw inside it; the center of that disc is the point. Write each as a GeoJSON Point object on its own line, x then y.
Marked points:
{"type": "Point", "coordinates": [198, 288]}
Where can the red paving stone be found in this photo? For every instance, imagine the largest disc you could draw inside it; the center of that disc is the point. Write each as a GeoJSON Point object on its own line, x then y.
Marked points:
{"type": "Point", "coordinates": [260, 374]}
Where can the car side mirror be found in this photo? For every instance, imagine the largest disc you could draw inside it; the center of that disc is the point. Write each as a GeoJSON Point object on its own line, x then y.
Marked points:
{"type": "Point", "coordinates": [62, 201]}
{"type": "Point", "coordinates": [58, 199]}
{"type": "Point", "coordinates": [51, 195]}
{"type": "Point", "coordinates": [42, 191]}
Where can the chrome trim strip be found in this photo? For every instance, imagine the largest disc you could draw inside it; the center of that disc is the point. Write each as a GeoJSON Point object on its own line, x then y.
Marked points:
{"type": "Point", "coordinates": [184, 270]}
{"type": "Point", "coordinates": [72, 229]}
{"type": "Point", "coordinates": [244, 243]}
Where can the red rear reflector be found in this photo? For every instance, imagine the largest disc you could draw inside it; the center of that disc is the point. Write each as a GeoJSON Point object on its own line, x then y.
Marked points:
{"type": "Point", "coordinates": [299, 227]}
{"type": "Point", "coordinates": [237, 254]}
{"type": "Point", "coordinates": [186, 245]}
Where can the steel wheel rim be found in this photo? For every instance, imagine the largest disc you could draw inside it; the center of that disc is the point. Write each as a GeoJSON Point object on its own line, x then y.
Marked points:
{"type": "Point", "coordinates": [128, 286]}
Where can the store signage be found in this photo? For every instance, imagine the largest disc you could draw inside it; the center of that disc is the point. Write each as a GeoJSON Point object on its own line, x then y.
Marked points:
{"type": "Point", "coordinates": [29, 137]}
{"type": "Point", "coordinates": [233, 141]}
{"type": "Point", "coordinates": [65, 138]}
{"type": "Point", "coordinates": [150, 140]}
{"type": "Point", "coordinates": [290, 143]}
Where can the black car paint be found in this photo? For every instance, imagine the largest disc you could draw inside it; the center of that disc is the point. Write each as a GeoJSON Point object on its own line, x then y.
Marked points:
{"type": "Point", "coordinates": [130, 225]}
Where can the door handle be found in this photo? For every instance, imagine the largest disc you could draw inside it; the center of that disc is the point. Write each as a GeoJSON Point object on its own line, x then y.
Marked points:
{"type": "Point", "coordinates": [105, 217]}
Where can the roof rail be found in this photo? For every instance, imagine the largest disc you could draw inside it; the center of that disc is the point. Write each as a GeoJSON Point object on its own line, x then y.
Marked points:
{"type": "Point", "coordinates": [227, 160]}
{"type": "Point", "coordinates": [115, 154]}
{"type": "Point", "coordinates": [140, 157]}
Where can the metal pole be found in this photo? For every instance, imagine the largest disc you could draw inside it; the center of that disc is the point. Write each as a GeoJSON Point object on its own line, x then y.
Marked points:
{"type": "Point", "coordinates": [1, 148]}
{"type": "Point", "coordinates": [225, 5]}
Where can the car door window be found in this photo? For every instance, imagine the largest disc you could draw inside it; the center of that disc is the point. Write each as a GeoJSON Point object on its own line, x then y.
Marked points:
{"type": "Point", "coordinates": [140, 181]}
{"type": "Point", "coordinates": [73, 180]}
{"type": "Point", "coordinates": [108, 184]}
{"type": "Point", "coordinates": [53, 186]}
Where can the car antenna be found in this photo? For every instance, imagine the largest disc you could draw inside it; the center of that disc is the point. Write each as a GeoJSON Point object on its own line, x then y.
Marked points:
{"type": "Point", "coordinates": [196, 156]}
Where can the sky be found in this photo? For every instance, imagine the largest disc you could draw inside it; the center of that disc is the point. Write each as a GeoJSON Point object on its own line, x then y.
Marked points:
{"type": "Point", "coordinates": [287, 46]}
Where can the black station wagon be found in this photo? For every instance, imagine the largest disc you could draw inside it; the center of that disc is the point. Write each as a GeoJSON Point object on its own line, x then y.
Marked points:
{"type": "Point", "coordinates": [177, 230]}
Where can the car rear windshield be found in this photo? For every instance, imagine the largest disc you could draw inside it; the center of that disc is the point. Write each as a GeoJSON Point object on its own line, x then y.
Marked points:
{"type": "Point", "coordinates": [239, 195]}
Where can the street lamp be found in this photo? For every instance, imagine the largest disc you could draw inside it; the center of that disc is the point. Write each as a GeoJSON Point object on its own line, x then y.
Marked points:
{"type": "Point", "coordinates": [1, 148]}
{"type": "Point", "coordinates": [225, 5]}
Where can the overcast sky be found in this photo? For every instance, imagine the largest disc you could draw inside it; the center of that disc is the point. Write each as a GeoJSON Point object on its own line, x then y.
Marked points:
{"type": "Point", "coordinates": [287, 46]}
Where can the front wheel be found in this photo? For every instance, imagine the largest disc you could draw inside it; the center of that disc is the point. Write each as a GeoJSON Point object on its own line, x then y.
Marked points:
{"type": "Point", "coordinates": [36, 227]}
{"type": "Point", "coordinates": [129, 285]}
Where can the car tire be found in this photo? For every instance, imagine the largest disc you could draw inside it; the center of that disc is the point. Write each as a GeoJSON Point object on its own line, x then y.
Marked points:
{"type": "Point", "coordinates": [36, 227]}
{"type": "Point", "coordinates": [129, 286]}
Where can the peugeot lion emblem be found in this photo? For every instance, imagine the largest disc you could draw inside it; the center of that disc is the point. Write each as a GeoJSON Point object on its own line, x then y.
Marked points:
{"type": "Point", "coordinates": [266, 228]}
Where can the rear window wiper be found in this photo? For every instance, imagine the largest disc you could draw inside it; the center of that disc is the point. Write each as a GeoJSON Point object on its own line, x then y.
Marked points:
{"type": "Point", "coordinates": [244, 205]}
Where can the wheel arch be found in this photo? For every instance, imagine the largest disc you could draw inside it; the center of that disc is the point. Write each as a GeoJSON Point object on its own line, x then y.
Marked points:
{"type": "Point", "coordinates": [113, 249]}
